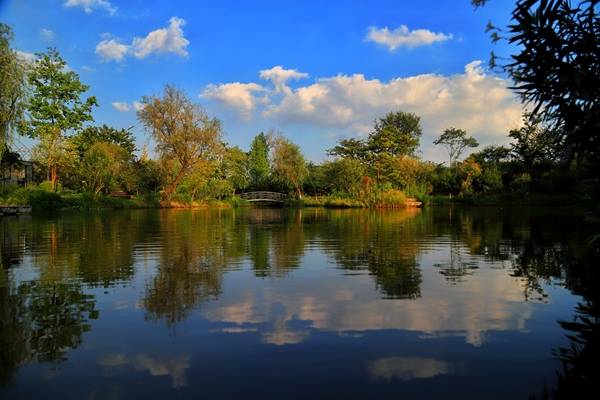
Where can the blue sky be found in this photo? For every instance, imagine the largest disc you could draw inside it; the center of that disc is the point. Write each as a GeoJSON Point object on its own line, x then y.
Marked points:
{"type": "Point", "coordinates": [315, 70]}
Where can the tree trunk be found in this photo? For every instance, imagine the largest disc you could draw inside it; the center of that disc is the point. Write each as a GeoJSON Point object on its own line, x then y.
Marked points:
{"type": "Point", "coordinates": [171, 188]}
{"type": "Point", "coordinates": [54, 177]}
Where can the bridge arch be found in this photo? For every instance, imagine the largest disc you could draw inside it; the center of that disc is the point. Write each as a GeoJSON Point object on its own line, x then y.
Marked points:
{"type": "Point", "coordinates": [264, 196]}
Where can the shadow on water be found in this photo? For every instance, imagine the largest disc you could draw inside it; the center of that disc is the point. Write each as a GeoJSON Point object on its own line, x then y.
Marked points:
{"type": "Point", "coordinates": [47, 309]}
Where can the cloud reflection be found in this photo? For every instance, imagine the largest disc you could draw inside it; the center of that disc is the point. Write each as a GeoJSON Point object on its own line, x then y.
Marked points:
{"type": "Point", "coordinates": [407, 368]}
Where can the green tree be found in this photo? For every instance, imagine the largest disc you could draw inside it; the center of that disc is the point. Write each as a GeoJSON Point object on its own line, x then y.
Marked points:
{"type": "Point", "coordinates": [491, 155]}
{"type": "Point", "coordinates": [55, 107]}
{"type": "Point", "coordinates": [344, 175]}
{"type": "Point", "coordinates": [183, 132]}
{"type": "Point", "coordinates": [533, 143]}
{"type": "Point", "coordinates": [91, 135]}
{"type": "Point", "coordinates": [350, 148]}
{"type": "Point", "coordinates": [456, 141]}
{"type": "Point", "coordinates": [104, 166]}
{"type": "Point", "coordinates": [235, 168]}
{"type": "Point", "coordinates": [258, 161]}
{"type": "Point", "coordinates": [289, 166]}
{"type": "Point", "coordinates": [398, 133]}
{"type": "Point", "coordinates": [12, 88]}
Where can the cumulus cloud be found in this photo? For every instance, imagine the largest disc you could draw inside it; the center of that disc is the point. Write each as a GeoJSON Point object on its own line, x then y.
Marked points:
{"type": "Point", "coordinates": [121, 106]}
{"type": "Point", "coordinates": [89, 6]}
{"type": "Point", "coordinates": [164, 40]}
{"type": "Point", "coordinates": [240, 96]}
{"type": "Point", "coordinates": [47, 35]}
{"type": "Point", "coordinates": [279, 76]}
{"type": "Point", "coordinates": [404, 37]}
{"type": "Point", "coordinates": [473, 100]}
{"type": "Point", "coordinates": [111, 50]}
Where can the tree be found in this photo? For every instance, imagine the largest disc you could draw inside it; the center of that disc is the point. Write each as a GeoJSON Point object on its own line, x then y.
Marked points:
{"type": "Point", "coordinates": [350, 148]}
{"type": "Point", "coordinates": [55, 108]}
{"type": "Point", "coordinates": [344, 175]}
{"type": "Point", "coordinates": [91, 135]}
{"type": "Point", "coordinates": [491, 155]}
{"type": "Point", "coordinates": [289, 166]}
{"type": "Point", "coordinates": [534, 143]}
{"type": "Point", "coordinates": [103, 166]}
{"type": "Point", "coordinates": [258, 161]}
{"type": "Point", "coordinates": [235, 168]}
{"type": "Point", "coordinates": [183, 132]}
{"type": "Point", "coordinates": [556, 68]}
{"type": "Point", "coordinates": [398, 133]}
{"type": "Point", "coordinates": [12, 88]}
{"type": "Point", "coordinates": [456, 141]}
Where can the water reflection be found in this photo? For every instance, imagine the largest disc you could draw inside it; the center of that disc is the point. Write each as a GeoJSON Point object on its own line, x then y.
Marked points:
{"type": "Point", "coordinates": [267, 281]}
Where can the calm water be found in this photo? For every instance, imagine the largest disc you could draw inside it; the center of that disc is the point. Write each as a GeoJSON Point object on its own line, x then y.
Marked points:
{"type": "Point", "coordinates": [272, 303]}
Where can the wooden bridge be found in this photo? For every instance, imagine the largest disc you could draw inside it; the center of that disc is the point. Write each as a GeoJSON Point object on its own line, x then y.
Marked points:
{"type": "Point", "coordinates": [273, 197]}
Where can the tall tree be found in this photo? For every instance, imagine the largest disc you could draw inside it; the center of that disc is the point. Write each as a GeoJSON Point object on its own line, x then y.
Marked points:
{"type": "Point", "coordinates": [456, 142]}
{"type": "Point", "coordinates": [556, 68]}
{"type": "Point", "coordinates": [258, 161]}
{"type": "Point", "coordinates": [183, 132]}
{"type": "Point", "coordinates": [55, 108]}
{"type": "Point", "coordinates": [289, 165]}
{"type": "Point", "coordinates": [12, 88]}
{"type": "Point", "coordinates": [398, 133]}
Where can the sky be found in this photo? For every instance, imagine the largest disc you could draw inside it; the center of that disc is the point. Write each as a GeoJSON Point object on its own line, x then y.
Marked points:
{"type": "Point", "coordinates": [316, 71]}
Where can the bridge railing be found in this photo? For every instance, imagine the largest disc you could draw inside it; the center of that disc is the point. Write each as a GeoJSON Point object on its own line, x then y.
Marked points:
{"type": "Point", "coordinates": [263, 195]}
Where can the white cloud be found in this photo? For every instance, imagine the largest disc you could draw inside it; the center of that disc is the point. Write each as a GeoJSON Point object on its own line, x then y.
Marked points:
{"type": "Point", "coordinates": [90, 5]}
{"type": "Point", "coordinates": [47, 35]}
{"type": "Point", "coordinates": [472, 100]}
{"type": "Point", "coordinates": [240, 96]}
{"type": "Point", "coordinates": [111, 49]}
{"type": "Point", "coordinates": [279, 76]}
{"type": "Point", "coordinates": [26, 56]}
{"type": "Point", "coordinates": [404, 37]}
{"type": "Point", "coordinates": [164, 40]}
{"type": "Point", "coordinates": [121, 106]}
{"type": "Point", "coordinates": [137, 106]}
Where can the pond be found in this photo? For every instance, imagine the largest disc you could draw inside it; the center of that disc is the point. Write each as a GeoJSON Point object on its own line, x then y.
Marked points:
{"type": "Point", "coordinates": [280, 303]}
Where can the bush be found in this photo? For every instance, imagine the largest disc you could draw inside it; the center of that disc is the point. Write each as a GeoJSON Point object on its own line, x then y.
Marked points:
{"type": "Point", "coordinates": [390, 198]}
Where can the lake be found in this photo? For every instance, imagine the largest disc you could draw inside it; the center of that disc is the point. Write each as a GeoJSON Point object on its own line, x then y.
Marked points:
{"type": "Point", "coordinates": [281, 303]}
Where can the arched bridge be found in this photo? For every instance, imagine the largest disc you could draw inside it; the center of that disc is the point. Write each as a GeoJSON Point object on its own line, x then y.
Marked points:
{"type": "Point", "coordinates": [274, 197]}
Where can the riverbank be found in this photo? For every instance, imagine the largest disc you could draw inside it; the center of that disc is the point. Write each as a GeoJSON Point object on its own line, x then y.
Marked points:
{"type": "Point", "coordinates": [41, 199]}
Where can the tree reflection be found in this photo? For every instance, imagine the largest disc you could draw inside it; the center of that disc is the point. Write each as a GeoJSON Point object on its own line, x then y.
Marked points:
{"type": "Point", "coordinates": [384, 244]}
{"type": "Point", "coordinates": [41, 321]}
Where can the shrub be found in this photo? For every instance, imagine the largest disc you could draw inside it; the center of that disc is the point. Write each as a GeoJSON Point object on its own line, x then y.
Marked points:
{"type": "Point", "coordinates": [390, 198]}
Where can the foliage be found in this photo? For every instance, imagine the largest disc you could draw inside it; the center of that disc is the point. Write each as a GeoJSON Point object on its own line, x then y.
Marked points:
{"type": "Point", "coordinates": [289, 166]}
{"type": "Point", "coordinates": [350, 148]}
{"type": "Point", "coordinates": [235, 168]}
{"type": "Point", "coordinates": [456, 141]}
{"type": "Point", "coordinates": [390, 198]}
{"type": "Point", "coordinates": [104, 166]}
{"type": "Point", "coordinates": [182, 130]}
{"type": "Point", "coordinates": [397, 133]}
{"type": "Point", "coordinates": [258, 161]}
{"type": "Point", "coordinates": [54, 108]}
{"type": "Point", "coordinates": [533, 143]}
{"type": "Point", "coordinates": [12, 88]}
{"type": "Point", "coordinates": [343, 176]}
{"type": "Point", "coordinates": [91, 135]}
{"type": "Point", "coordinates": [556, 68]}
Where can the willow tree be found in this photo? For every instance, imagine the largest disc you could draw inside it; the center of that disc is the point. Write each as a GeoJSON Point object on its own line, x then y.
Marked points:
{"type": "Point", "coordinates": [55, 108]}
{"type": "Point", "coordinates": [12, 88]}
{"type": "Point", "coordinates": [185, 135]}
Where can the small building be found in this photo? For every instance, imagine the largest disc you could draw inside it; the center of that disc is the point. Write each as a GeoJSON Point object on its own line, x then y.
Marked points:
{"type": "Point", "coordinates": [14, 170]}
